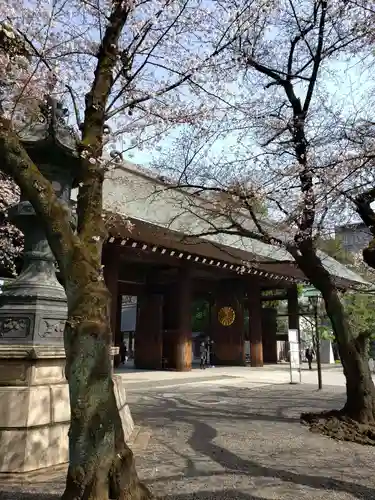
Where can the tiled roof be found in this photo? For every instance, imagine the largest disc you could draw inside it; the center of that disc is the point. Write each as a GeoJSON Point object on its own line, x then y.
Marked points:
{"type": "Point", "coordinates": [131, 192]}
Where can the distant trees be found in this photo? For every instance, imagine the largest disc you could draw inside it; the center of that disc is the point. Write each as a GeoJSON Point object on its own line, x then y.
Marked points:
{"type": "Point", "coordinates": [359, 305]}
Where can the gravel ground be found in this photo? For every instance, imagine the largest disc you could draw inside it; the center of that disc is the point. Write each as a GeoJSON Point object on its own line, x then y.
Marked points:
{"type": "Point", "coordinates": [236, 442]}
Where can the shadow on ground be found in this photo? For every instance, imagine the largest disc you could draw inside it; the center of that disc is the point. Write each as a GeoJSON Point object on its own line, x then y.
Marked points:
{"type": "Point", "coordinates": [13, 495]}
{"type": "Point", "coordinates": [198, 495]}
{"type": "Point", "coordinates": [214, 495]}
{"type": "Point", "coordinates": [189, 428]}
{"type": "Point", "coordinates": [202, 410]}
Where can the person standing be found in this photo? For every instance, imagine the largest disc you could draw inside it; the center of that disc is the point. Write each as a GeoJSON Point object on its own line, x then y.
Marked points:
{"type": "Point", "coordinates": [309, 356]}
{"type": "Point", "coordinates": [123, 352]}
{"type": "Point", "coordinates": [203, 355]}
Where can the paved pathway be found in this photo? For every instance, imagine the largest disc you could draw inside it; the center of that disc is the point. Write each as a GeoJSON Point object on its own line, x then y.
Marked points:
{"type": "Point", "coordinates": [271, 374]}
{"type": "Point", "coordinates": [235, 434]}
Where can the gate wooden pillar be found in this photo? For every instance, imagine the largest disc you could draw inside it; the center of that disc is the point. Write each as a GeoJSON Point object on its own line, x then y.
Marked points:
{"type": "Point", "coordinates": [183, 346]}
{"type": "Point", "coordinates": [111, 262]}
{"type": "Point", "coordinates": [293, 313]}
{"type": "Point", "coordinates": [149, 335]}
{"type": "Point", "coordinates": [227, 326]}
{"type": "Point", "coordinates": [177, 334]}
{"type": "Point", "coordinates": [269, 330]}
{"type": "Point", "coordinates": [255, 324]}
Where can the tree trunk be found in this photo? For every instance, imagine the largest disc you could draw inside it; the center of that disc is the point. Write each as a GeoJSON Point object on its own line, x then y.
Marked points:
{"type": "Point", "coordinates": [101, 465]}
{"type": "Point", "coordinates": [360, 390]}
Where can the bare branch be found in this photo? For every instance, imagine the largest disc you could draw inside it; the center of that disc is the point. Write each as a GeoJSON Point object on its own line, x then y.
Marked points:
{"type": "Point", "coordinates": [317, 57]}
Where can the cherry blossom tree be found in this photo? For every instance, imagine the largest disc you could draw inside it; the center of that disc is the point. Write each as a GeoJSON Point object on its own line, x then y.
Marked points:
{"type": "Point", "coordinates": [281, 147]}
{"type": "Point", "coordinates": [11, 238]}
{"type": "Point", "coordinates": [129, 70]}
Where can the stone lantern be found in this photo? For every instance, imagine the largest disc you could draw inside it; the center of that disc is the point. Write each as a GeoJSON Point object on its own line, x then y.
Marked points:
{"type": "Point", "coordinates": [34, 397]}
{"type": "Point", "coordinates": [34, 394]}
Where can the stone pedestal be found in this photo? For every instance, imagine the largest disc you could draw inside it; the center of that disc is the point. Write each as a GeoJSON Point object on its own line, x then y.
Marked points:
{"type": "Point", "coordinates": [34, 408]}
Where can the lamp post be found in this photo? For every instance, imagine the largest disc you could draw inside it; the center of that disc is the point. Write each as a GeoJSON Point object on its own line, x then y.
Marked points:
{"type": "Point", "coordinates": [313, 295]}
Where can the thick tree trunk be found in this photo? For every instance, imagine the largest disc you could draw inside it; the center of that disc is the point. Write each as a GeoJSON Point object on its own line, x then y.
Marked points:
{"type": "Point", "coordinates": [101, 465]}
{"type": "Point", "coordinates": [360, 390]}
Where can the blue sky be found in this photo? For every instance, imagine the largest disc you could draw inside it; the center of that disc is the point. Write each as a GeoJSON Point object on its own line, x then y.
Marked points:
{"type": "Point", "coordinates": [348, 87]}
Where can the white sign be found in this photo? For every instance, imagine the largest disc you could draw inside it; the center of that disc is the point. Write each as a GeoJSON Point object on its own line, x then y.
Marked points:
{"type": "Point", "coordinates": [293, 335]}
{"type": "Point", "coordinates": [294, 357]}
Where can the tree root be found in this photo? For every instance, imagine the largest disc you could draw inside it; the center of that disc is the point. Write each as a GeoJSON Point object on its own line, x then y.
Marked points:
{"type": "Point", "coordinates": [338, 425]}
{"type": "Point", "coordinates": [142, 493]}
{"type": "Point", "coordinates": [136, 492]}
{"type": "Point", "coordinates": [123, 479]}
{"type": "Point", "coordinates": [122, 483]}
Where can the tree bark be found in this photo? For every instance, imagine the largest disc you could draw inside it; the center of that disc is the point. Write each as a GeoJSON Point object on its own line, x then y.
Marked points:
{"type": "Point", "coordinates": [360, 390]}
{"type": "Point", "coordinates": [101, 465]}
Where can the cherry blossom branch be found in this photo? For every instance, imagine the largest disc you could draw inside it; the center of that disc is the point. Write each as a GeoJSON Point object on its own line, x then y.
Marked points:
{"type": "Point", "coordinates": [90, 224]}
{"type": "Point", "coordinates": [235, 227]}
{"type": "Point", "coordinates": [185, 77]}
{"type": "Point", "coordinates": [134, 102]}
{"type": "Point", "coordinates": [48, 66]}
{"type": "Point", "coordinates": [157, 42]}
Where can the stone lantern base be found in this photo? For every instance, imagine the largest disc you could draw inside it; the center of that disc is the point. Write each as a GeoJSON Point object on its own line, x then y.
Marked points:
{"type": "Point", "coordinates": [34, 408]}
{"type": "Point", "coordinates": [34, 396]}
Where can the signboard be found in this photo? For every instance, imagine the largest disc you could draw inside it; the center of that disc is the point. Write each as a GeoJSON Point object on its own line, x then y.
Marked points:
{"type": "Point", "coordinates": [294, 357]}
{"type": "Point", "coordinates": [3, 282]}
{"type": "Point", "coordinates": [310, 291]}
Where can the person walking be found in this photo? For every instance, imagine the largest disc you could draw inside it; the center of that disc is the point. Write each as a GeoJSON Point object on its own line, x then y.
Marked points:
{"type": "Point", "coordinates": [203, 355]}
{"type": "Point", "coordinates": [309, 356]}
{"type": "Point", "coordinates": [123, 352]}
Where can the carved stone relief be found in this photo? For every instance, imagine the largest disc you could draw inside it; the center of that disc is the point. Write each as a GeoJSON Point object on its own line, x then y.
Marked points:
{"type": "Point", "coordinates": [129, 299]}
{"type": "Point", "coordinates": [52, 328]}
{"type": "Point", "coordinates": [14, 328]}
{"type": "Point", "coordinates": [13, 373]}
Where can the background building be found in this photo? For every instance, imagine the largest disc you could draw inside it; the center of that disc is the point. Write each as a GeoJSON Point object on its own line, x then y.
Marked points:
{"type": "Point", "coordinates": [354, 237]}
